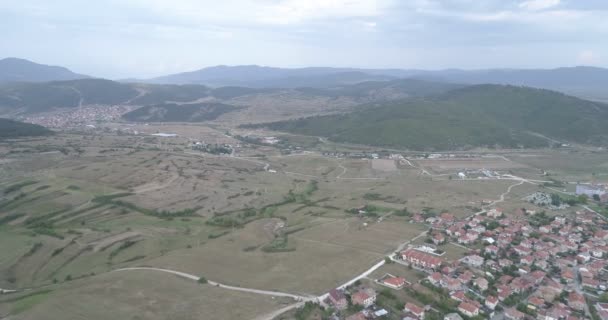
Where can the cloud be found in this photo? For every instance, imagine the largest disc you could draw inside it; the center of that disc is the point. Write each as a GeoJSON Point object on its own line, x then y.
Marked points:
{"type": "Point", "coordinates": [536, 5]}
{"type": "Point", "coordinates": [588, 57]}
{"type": "Point", "coordinates": [247, 12]}
{"type": "Point", "coordinates": [297, 11]}
{"type": "Point", "coordinates": [150, 37]}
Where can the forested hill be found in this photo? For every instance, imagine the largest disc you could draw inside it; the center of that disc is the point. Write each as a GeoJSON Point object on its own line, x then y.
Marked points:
{"type": "Point", "coordinates": [28, 98]}
{"type": "Point", "coordinates": [481, 115]}
{"type": "Point", "coordinates": [170, 112]}
{"type": "Point", "coordinates": [16, 129]}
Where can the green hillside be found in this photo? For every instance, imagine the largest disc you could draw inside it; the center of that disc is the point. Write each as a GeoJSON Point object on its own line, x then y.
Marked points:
{"type": "Point", "coordinates": [154, 94]}
{"type": "Point", "coordinates": [15, 129]}
{"type": "Point", "coordinates": [28, 98]}
{"type": "Point", "coordinates": [170, 112]}
{"type": "Point", "coordinates": [43, 97]}
{"type": "Point", "coordinates": [484, 115]}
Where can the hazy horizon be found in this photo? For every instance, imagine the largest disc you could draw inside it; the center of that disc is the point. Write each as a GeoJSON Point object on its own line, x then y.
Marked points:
{"type": "Point", "coordinates": [142, 39]}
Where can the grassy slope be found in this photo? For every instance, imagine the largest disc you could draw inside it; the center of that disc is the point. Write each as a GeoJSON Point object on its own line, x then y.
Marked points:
{"type": "Point", "coordinates": [482, 115]}
{"type": "Point", "coordinates": [14, 129]}
{"type": "Point", "coordinates": [170, 112]}
{"type": "Point", "coordinates": [42, 97]}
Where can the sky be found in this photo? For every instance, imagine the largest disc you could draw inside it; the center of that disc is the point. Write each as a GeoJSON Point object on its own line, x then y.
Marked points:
{"type": "Point", "coordinates": [146, 38]}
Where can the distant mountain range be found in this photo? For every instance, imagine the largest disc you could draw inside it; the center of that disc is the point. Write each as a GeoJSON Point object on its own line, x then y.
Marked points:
{"type": "Point", "coordinates": [413, 109]}
{"type": "Point", "coordinates": [268, 77]}
{"type": "Point", "coordinates": [474, 116]}
{"type": "Point", "coordinates": [586, 82]}
{"type": "Point", "coordinates": [20, 70]}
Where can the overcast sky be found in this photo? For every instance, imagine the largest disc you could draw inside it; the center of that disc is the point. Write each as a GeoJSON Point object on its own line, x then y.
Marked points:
{"type": "Point", "coordinates": [144, 38]}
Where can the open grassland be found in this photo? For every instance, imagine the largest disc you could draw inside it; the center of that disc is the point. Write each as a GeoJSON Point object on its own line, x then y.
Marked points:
{"type": "Point", "coordinates": [141, 295]}
{"type": "Point", "coordinates": [74, 207]}
{"type": "Point", "coordinates": [569, 166]}
{"type": "Point", "coordinates": [311, 268]}
{"type": "Point", "coordinates": [451, 164]}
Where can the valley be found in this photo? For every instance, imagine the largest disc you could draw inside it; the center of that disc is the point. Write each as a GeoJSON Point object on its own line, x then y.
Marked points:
{"type": "Point", "coordinates": [157, 201]}
{"type": "Point", "coordinates": [79, 205]}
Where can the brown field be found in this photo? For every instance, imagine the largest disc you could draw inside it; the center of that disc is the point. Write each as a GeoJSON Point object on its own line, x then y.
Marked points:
{"type": "Point", "coordinates": [224, 261]}
{"type": "Point", "coordinates": [384, 165]}
{"type": "Point", "coordinates": [142, 295]}
{"type": "Point", "coordinates": [469, 163]}
{"type": "Point", "coordinates": [569, 166]}
{"type": "Point", "coordinates": [309, 198]}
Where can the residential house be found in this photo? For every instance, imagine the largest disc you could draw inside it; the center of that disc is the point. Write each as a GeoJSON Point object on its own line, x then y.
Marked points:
{"type": "Point", "coordinates": [491, 302]}
{"type": "Point", "coordinates": [394, 282]}
{"type": "Point", "coordinates": [338, 299]}
{"type": "Point", "coordinates": [514, 314]}
{"type": "Point", "coordinates": [438, 238]}
{"type": "Point", "coordinates": [468, 309]}
{"type": "Point", "coordinates": [364, 298]}
{"type": "Point", "coordinates": [435, 278]}
{"type": "Point", "coordinates": [452, 316]}
{"type": "Point", "coordinates": [535, 303]}
{"type": "Point", "coordinates": [473, 260]}
{"type": "Point", "coordinates": [576, 301]}
{"type": "Point", "coordinates": [421, 259]}
{"type": "Point", "coordinates": [491, 249]}
{"type": "Point", "coordinates": [459, 296]}
{"type": "Point", "coordinates": [482, 284]}
{"type": "Point", "coordinates": [357, 316]}
{"type": "Point", "coordinates": [414, 309]}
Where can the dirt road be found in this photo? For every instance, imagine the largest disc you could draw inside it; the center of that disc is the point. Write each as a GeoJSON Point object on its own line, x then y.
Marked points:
{"type": "Point", "coordinates": [219, 285]}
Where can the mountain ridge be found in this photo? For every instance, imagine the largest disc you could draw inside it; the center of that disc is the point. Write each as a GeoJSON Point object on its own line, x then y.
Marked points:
{"type": "Point", "coordinates": [583, 81]}
{"type": "Point", "coordinates": [473, 116]}
{"type": "Point", "coordinates": [28, 98]}
{"type": "Point", "coordinates": [21, 70]}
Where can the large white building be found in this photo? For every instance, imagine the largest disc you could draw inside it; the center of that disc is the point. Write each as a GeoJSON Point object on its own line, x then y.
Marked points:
{"type": "Point", "coordinates": [591, 189]}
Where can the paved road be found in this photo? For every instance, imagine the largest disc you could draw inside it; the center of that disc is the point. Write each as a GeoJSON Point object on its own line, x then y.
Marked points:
{"type": "Point", "coordinates": [373, 268]}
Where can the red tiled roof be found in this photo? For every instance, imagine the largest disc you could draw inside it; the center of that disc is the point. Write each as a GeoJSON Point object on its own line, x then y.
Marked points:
{"type": "Point", "coordinates": [459, 296]}
{"type": "Point", "coordinates": [436, 276]}
{"type": "Point", "coordinates": [359, 297]}
{"type": "Point", "coordinates": [395, 281]}
{"type": "Point", "coordinates": [468, 307]}
{"type": "Point", "coordinates": [575, 297]}
{"type": "Point", "coordinates": [536, 301]}
{"type": "Point", "coordinates": [427, 259]}
{"type": "Point", "coordinates": [413, 308]}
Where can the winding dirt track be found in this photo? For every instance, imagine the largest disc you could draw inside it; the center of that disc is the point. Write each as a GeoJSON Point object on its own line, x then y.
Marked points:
{"type": "Point", "coordinates": [219, 285]}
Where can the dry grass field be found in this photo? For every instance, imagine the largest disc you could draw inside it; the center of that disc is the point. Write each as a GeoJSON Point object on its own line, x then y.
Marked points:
{"type": "Point", "coordinates": [568, 166]}
{"type": "Point", "coordinates": [452, 164]}
{"type": "Point", "coordinates": [77, 205]}
{"type": "Point", "coordinates": [141, 295]}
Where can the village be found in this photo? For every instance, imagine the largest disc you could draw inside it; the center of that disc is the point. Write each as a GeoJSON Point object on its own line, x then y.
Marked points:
{"type": "Point", "coordinates": [518, 265]}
